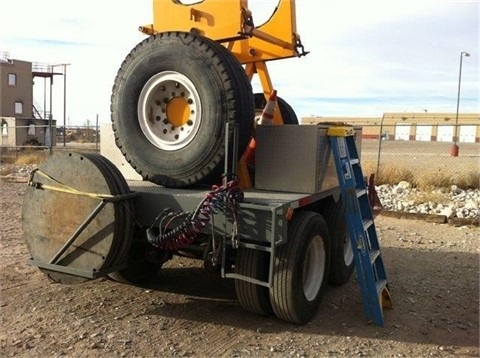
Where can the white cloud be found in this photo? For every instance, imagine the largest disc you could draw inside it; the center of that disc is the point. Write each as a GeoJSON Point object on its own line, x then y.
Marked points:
{"type": "Point", "coordinates": [366, 57]}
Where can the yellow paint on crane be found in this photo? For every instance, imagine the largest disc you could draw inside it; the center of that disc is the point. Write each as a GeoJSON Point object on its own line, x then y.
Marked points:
{"type": "Point", "coordinates": [231, 23]}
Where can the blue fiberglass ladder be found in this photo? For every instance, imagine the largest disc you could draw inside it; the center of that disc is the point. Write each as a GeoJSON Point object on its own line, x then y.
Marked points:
{"type": "Point", "coordinates": [361, 227]}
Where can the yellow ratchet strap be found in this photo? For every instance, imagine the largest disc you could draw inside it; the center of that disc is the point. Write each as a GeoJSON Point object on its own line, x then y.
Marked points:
{"type": "Point", "coordinates": [62, 187]}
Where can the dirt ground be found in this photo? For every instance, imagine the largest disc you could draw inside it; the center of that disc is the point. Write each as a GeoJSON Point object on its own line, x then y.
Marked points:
{"type": "Point", "coordinates": [188, 312]}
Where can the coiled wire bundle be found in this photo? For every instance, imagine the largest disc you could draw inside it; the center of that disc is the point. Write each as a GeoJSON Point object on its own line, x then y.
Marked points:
{"type": "Point", "coordinates": [178, 229]}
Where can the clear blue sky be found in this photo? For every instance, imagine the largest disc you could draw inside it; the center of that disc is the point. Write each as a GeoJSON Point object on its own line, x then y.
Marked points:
{"type": "Point", "coordinates": [366, 57]}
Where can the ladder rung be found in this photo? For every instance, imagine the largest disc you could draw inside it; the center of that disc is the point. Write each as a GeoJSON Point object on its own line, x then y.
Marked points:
{"type": "Point", "coordinates": [374, 255]}
{"type": "Point", "coordinates": [367, 223]}
{"type": "Point", "coordinates": [380, 285]}
{"type": "Point", "coordinates": [373, 278]}
{"type": "Point", "coordinates": [361, 192]}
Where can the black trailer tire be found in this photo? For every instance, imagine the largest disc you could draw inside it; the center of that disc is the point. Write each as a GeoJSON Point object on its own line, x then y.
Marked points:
{"type": "Point", "coordinates": [253, 298]}
{"type": "Point", "coordinates": [140, 268]}
{"type": "Point", "coordinates": [301, 268]}
{"type": "Point", "coordinates": [288, 114]}
{"type": "Point", "coordinates": [342, 260]}
{"type": "Point", "coordinates": [172, 98]}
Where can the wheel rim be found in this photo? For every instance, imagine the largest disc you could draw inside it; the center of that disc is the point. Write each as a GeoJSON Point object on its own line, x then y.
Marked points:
{"type": "Point", "coordinates": [347, 251]}
{"type": "Point", "coordinates": [314, 268]}
{"type": "Point", "coordinates": [169, 110]}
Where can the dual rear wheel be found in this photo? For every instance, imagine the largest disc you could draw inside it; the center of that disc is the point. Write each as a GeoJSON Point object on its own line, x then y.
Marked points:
{"type": "Point", "coordinates": [300, 272]}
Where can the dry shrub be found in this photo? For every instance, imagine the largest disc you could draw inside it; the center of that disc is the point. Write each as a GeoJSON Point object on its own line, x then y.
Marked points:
{"type": "Point", "coordinates": [388, 173]}
{"type": "Point", "coordinates": [428, 196]}
{"type": "Point", "coordinates": [470, 180]}
{"type": "Point", "coordinates": [434, 178]}
{"type": "Point", "coordinates": [31, 157]}
{"type": "Point", "coordinates": [392, 174]}
{"type": "Point", "coordinates": [7, 159]}
{"type": "Point", "coordinates": [368, 168]}
{"type": "Point", "coordinates": [443, 177]}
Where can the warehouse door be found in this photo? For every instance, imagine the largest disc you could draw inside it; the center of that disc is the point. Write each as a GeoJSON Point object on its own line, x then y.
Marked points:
{"type": "Point", "coordinates": [424, 133]}
{"type": "Point", "coordinates": [445, 134]}
{"type": "Point", "coordinates": [467, 134]}
{"type": "Point", "coordinates": [402, 131]}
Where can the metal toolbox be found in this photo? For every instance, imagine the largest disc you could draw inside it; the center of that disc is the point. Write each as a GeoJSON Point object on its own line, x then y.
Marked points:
{"type": "Point", "coordinates": [295, 158]}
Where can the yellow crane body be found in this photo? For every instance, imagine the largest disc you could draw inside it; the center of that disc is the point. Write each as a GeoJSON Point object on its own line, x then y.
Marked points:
{"type": "Point", "coordinates": [232, 23]}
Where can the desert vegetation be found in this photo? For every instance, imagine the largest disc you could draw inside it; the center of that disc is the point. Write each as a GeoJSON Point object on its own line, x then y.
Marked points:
{"type": "Point", "coordinates": [436, 177]}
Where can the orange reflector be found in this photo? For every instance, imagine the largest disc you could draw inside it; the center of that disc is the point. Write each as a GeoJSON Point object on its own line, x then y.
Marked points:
{"type": "Point", "coordinates": [289, 214]}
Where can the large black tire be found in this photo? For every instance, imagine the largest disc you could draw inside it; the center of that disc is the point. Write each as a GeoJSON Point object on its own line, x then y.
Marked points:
{"type": "Point", "coordinates": [253, 298]}
{"type": "Point", "coordinates": [301, 268]}
{"type": "Point", "coordinates": [288, 114]}
{"type": "Point", "coordinates": [143, 263]}
{"type": "Point", "coordinates": [342, 260]}
{"type": "Point", "coordinates": [172, 98]}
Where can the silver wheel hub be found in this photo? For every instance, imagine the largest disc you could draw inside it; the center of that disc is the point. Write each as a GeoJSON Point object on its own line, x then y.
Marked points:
{"type": "Point", "coordinates": [169, 110]}
{"type": "Point", "coordinates": [314, 268]}
{"type": "Point", "coordinates": [347, 251]}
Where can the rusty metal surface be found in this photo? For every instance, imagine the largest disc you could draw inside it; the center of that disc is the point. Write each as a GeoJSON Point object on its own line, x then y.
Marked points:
{"type": "Point", "coordinates": [51, 217]}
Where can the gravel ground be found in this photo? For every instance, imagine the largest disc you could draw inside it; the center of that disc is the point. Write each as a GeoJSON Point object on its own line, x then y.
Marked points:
{"type": "Point", "coordinates": [188, 312]}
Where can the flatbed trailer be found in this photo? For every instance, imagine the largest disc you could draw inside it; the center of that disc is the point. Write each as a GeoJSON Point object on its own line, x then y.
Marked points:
{"type": "Point", "coordinates": [186, 169]}
{"type": "Point", "coordinates": [243, 242]}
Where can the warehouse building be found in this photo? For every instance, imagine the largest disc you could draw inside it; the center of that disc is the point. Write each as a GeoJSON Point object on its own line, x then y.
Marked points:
{"type": "Point", "coordinates": [421, 126]}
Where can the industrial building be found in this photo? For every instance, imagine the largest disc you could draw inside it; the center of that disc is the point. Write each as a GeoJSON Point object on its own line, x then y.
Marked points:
{"type": "Point", "coordinates": [23, 121]}
{"type": "Point", "coordinates": [414, 126]}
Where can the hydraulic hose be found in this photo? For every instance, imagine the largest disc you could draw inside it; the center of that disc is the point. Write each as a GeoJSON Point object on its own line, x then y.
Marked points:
{"type": "Point", "coordinates": [173, 230]}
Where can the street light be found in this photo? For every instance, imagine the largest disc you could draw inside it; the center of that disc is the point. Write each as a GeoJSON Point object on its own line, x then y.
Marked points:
{"type": "Point", "coordinates": [454, 150]}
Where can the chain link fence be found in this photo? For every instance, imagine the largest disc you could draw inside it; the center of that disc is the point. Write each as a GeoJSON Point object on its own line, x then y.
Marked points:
{"type": "Point", "coordinates": [21, 139]}
{"type": "Point", "coordinates": [419, 154]}
{"type": "Point", "coordinates": [423, 155]}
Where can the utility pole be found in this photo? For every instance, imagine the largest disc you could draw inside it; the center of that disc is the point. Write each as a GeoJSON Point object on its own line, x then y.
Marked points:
{"type": "Point", "coordinates": [454, 150]}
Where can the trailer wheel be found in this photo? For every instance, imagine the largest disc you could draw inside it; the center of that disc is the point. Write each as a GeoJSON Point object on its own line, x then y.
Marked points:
{"type": "Point", "coordinates": [172, 98]}
{"type": "Point", "coordinates": [288, 114]}
{"type": "Point", "coordinates": [343, 264]}
{"type": "Point", "coordinates": [301, 268]}
{"type": "Point", "coordinates": [143, 263]}
{"type": "Point", "coordinates": [253, 298]}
